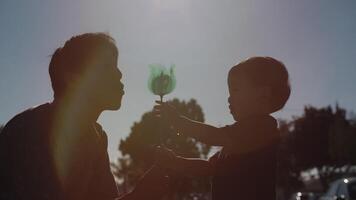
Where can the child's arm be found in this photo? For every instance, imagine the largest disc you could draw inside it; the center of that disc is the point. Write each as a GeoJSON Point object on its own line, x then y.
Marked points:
{"type": "Point", "coordinates": [187, 166]}
{"type": "Point", "coordinates": [203, 132]}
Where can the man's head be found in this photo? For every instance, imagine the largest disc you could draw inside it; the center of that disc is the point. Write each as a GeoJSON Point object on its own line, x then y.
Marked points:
{"type": "Point", "coordinates": [258, 85]}
{"type": "Point", "coordinates": [85, 68]}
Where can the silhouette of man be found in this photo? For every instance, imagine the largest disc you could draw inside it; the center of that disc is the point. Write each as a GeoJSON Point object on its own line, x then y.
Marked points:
{"type": "Point", "coordinates": [57, 150]}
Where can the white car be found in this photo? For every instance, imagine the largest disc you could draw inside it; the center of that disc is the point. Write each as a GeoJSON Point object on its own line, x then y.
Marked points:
{"type": "Point", "coordinates": [341, 189]}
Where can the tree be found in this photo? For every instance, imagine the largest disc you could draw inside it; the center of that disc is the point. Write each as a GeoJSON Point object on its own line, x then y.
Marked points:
{"type": "Point", "coordinates": [138, 149]}
{"type": "Point", "coordinates": [288, 180]}
{"type": "Point", "coordinates": [323, 139]}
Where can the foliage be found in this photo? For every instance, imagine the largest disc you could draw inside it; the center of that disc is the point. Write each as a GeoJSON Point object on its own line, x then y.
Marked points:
{"type": "Point", "coordinates": [138, 148]}
{"type": "Point", "coordinates": [322, 138]}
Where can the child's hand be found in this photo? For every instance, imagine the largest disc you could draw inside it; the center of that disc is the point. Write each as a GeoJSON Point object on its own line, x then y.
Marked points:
{"type": "Point", "coordinates": [166, 158]}
{"type": "Point", "coordinates": [167, 112]}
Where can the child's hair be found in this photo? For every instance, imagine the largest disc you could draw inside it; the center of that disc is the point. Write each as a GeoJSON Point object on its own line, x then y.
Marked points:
{"type": "Point", "coordinates": [71, 59]}
{"type": "Point", "coordinates": [266, 71]}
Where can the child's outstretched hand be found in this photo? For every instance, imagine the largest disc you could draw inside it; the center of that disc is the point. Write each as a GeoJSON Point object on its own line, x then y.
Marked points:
{"type": "Point", "coordinates": [165, 158]}
{"type": "Point", "coordinates": [167, 112]}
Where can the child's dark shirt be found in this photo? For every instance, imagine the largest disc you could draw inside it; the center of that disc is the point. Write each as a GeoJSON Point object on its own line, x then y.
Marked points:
{"type": "Point", "coordinates": [246, 168]}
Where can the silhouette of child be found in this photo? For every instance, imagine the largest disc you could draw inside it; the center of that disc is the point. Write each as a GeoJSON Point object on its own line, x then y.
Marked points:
{"type": "Point", "coordinates": [245, 167]}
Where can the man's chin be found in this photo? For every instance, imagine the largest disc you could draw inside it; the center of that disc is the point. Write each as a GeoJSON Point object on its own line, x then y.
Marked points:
{"type": "Point", "coordinates": [114, 106]}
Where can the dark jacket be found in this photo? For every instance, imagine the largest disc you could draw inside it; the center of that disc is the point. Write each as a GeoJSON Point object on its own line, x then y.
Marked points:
{"type": "Point", "coordinates": [41, 160]}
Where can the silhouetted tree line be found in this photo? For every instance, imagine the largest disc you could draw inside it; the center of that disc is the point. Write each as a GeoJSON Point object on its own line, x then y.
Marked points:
{"type": "Point", "coordinates": [323, 139]}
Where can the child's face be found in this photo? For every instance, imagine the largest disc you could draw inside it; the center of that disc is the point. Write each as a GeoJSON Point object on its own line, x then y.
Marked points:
{"type": "Point", "coordinates": [246, 99]}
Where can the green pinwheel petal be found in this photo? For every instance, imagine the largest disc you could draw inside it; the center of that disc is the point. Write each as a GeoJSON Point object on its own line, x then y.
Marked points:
{"type": "Point", "coordinates": [161, 80]}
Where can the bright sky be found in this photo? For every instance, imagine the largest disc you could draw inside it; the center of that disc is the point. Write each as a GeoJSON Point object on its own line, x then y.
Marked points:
{"type": "Point", "coordinates": [203, 38]}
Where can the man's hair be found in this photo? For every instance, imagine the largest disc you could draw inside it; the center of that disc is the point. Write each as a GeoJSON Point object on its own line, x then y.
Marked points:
{"type": "Point", "coordinates": [70, 60]}
{"type": "Point", "coordinates": [266, 71]}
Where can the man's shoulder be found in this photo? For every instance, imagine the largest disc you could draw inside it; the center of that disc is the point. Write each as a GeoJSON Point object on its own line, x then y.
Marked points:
{"type": "Point", "coordinates": [24, 119]}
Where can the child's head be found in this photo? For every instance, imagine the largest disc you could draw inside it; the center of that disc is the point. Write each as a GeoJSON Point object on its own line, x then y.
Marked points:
{"type": "Point", "coordinates": [258, 85]}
